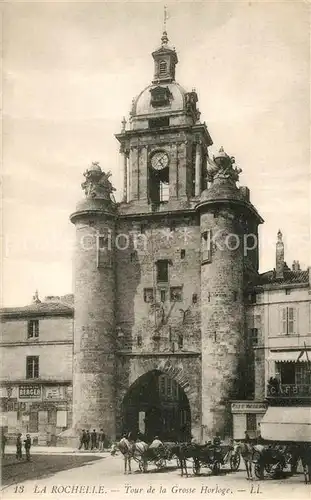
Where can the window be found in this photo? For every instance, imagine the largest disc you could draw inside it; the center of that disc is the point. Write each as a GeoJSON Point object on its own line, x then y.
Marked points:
{"type": "Point", "coordinates": [169, 386]}
{"type": "Point", "coordinates": [251, 422]}
{"type": "Point", "coordinates": [162, 271]}
{"type": "Point", "coordinates": [139, 340]}
{"type": "Point", "coordinates": [162, 67]}
{"type": "Point", "coordinates": [182, 253]}
{"type": "Point", "coordinates": [287, 373]}
{"type": "Point", "coordinates": [32, 367]}
{"type": "Point", "coordinates": [194, 298]}
{"type": "Point", "coordinates": [159, 122]}
{"type": "Point", "coordinates": [104, 253]}
{"type": "Point", "coordinates": [162, 385]}
{"type": "Point", "coordinates": [163, 295]}
{"type": "Point", "coordinates": [176, 294]}
{"type": "Point", "coordinates": [175, 389]}
{"type": "Point", "coordinates": [206, 246]}
{"type": "Point", "coordinates": [294, 373]}
{"type": "Point", "coordinates": [254, 336]}
{"type": "Point", "coordinates": [253, 298]}
{"type": "Point", "coordinates": [33, 329]}
{"type": "Point", "coordinates": [288, 320]}
{"type": "Point", "coordinates": [148, 295]}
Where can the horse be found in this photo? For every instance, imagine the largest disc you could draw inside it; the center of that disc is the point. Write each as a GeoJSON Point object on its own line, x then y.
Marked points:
{"type": "Point", "coordinates": [127, 449]}
{"type": "Point", "coordinates": [246, 449]}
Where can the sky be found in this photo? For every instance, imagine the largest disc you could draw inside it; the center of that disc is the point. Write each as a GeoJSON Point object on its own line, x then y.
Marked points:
{"type": "Point", "coordinates": [70, 72]}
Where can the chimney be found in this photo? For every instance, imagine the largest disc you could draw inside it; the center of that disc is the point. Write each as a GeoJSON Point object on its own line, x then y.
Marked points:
{"type": "Point", "coordinates": [35, 298]}
{"type": "Point", "coordinates": [296, 265]}
{"type": "Point", "coordinates": [279, 257]}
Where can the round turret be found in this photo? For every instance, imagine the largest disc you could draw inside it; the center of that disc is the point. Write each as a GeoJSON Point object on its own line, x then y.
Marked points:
{"type": "Point", "coordinates": [94, 301]}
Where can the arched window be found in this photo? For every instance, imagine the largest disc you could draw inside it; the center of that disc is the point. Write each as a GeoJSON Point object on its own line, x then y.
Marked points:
{"type": "Point", "coordinates": [162, 67]}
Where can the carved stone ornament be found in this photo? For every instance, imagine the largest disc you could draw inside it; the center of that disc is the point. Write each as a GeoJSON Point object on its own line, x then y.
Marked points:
{"type": "Point", "coordinates": [222, 167]}
{"type": "Point", "coordinates": [97, 184]}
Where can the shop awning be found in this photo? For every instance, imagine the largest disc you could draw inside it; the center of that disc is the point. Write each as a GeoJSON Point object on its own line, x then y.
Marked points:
{"type": "Point", "coordinates": [289, 356]}
{"type": "Point", "coordinates": [285, 423]}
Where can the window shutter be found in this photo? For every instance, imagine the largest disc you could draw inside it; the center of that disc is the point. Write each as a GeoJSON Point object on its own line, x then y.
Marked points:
{"type": "Point", "coordinates": [291, 312]}
{"type": "Point", "coordinates": [284, 320]}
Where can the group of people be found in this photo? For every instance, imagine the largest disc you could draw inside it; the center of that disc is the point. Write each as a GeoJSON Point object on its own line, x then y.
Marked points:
{"type": "Point", "coordinates": [19, 446]}
{"type": "Point", "coordinates": [92, 440]}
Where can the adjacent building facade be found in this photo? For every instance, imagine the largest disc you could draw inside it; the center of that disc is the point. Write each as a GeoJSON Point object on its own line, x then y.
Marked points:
{"type": "Point", "coordinates": [175, 332]}
{"type": "Point", "coordinates": [36, 372]}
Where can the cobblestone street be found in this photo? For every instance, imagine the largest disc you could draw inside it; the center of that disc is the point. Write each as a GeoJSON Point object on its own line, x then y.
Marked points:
{"type": "Point", "coordinates": [85, 475]}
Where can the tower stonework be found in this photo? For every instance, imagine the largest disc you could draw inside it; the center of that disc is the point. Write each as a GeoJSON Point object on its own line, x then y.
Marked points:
{"type": "Point", "coordinates": [94, 303]}
{"type": "Point", "coordinates": [225, 217]}
{"type": "Point", "coordinates": [159, 337]}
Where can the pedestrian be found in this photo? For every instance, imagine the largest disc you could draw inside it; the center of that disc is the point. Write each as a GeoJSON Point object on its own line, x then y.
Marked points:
{"type": "Point", "coordinates": [93, 439]}
{"type": "Point", "coordinates": [87, 440]}
{"type": "Point", "coordinates": [82, 439]}
{"type": "Point", "coordinates": [27, 444]}
{"type": "Point", "coordinates": [19, 446]}
{"type": "Point", "coordinates": [3, 443]}
{"type": "Point", "coordinates": [101, 440]}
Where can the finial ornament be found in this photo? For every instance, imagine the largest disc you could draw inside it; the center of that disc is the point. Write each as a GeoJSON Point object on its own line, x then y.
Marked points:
{"type": "Point", "coordinates": [123, 123]}
{"type": "Point", "coordinates": [164, 37]}
{"type": "Point", "coordinates": [280, 235]}
{"type": "Point", "coordinates": [223, 167]}
{"type": "Point", "coordinates": [97, 184]}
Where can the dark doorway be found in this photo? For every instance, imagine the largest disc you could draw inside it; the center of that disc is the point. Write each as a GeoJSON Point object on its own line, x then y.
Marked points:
{"type": "Point", "coordinates": [156, 405]}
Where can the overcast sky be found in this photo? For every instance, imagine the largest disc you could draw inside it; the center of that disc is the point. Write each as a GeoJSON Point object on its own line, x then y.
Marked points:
{"type": "Point", "coordinates": [70, 72]}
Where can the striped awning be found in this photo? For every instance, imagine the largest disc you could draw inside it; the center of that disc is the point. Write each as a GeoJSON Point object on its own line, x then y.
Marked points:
{"type": "Point", "coordinates": [289, 356]}
{"type": "Point", "coordinates": [287, 423]}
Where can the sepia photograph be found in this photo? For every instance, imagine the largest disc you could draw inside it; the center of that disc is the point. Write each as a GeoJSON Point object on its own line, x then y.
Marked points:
{"type": "Point", "coordinates": [156, 272]}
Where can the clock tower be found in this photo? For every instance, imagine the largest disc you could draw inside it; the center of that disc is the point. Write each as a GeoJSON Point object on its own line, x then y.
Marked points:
{"type": "Point", "coordinates": [165, 146]}
{"type": "Point", "coordinates": [159, 292]}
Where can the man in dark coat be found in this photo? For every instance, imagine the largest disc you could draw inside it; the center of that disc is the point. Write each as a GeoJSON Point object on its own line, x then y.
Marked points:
{"type": "Point", "coordinates": [101, 440]}
{"type": "Point", "coordinates": [87, 440]}
{"type": "Point", "coordinates": [93, 439]}
{"type": "Point", "coordinates": [27, 444]}
{"type": "Point", "coordinates": [82, 439]}
{"type": "Point", "coordinates": [19, 446]}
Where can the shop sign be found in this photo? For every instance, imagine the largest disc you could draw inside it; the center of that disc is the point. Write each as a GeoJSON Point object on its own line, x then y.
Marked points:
{"type": "Point", "coordinates": [29, 392]}
{"type": "Point", "coordinates": [53, 392]}
{"type": "Point", "coordinates": [248, 407]}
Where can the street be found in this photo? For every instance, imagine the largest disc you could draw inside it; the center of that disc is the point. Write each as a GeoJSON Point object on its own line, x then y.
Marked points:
{"type": "Point", "coordinates": [89, 475]}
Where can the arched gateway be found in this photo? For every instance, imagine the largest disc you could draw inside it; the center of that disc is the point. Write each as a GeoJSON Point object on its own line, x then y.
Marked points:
{"type": "Point", "coordinates": [156, 404]}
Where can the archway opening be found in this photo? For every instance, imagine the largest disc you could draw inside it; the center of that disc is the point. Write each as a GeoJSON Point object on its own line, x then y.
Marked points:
{"type": "Point", "coordinates": [156, 405]}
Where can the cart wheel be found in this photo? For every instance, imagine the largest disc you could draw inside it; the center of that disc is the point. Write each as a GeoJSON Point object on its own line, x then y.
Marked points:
{"type": "Point", "coordinates": [235, 461]}
{"type": "Point", "coordinates": [196, 467]}
{"type": "Point", "coordinates": [259, 471]}
{"type": "Point", "coordinates": [216, 468]}
{"type": "Point", "coordinates": [160, 463]}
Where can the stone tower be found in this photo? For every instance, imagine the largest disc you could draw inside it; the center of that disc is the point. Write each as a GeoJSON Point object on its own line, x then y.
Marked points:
{"type": "Point", "coordinates": [94, 301]}
{"type": "Point", "coordinates": [229, 254]}
{"type": "Point", "coordinates": [159, 301]}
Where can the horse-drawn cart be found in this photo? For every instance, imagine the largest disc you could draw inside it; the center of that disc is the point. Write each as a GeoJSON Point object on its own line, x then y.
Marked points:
{"type": "Point", "coordinates": [214, 457]}
{"type": "Point", "coordinates": [153, 456]}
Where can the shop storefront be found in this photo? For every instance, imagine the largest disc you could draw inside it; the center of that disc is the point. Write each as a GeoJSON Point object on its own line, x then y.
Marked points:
{"type": "Point", "coordinates": [247, 416]}
{"type": "Point", "coordinates": [42, 410]}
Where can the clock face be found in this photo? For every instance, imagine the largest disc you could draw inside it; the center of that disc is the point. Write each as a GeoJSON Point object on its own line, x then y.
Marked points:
{"type": "Point", "coordinates": [159, 160]}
